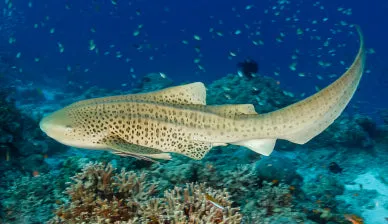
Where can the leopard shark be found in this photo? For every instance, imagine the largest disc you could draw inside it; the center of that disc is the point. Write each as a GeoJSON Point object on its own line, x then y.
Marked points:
{"type": "Point", "coordinates": [177, 120]}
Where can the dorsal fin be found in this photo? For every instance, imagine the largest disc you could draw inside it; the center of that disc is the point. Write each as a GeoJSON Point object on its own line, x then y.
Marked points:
{"type": "Point", "coordinates": [232, 110]}
{"type": "Point", "coordinates": [193, 93]}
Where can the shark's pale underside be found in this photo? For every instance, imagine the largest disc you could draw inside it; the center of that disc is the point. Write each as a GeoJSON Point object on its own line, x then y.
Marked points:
{"type": "Point", "coordinates": [177, 120]}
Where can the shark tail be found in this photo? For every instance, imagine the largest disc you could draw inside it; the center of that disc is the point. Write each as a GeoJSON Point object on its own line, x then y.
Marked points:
{"type": "Point", "coordinates": [302, 121]}
{"type": "Point", "coordinates": [308, 118]}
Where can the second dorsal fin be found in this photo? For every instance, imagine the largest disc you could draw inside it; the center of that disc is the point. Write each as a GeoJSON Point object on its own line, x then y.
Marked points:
{"type": "Point", "coordinates": [232, 110]}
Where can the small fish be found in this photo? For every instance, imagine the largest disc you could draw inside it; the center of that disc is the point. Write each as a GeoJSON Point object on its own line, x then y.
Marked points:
{"type": "Point", "coordinates": [154, 219]}
{"type": "Point", "coordinates": [212, 200]}
{"type": "Point", "coordinates": [197, 37]}
{"type": "Point", "coordinates": [248, 7]}
{"type": "Point", "coordinates": [92, 45]}
{"type": "Point", "coordinates": [248, 68]}
{"type": "Point", "coordinates": [136, 33]}
{"type": "Point", "coordinates": [354, 219]}
{"type": "Point", "coordinates": [7, 155]}
{"type": "Point", "coordinates": [335, 168]}
{"type": "Point", "coordinates": [35, 173]}
{"type": "Point", "coordinates": [61, 47]}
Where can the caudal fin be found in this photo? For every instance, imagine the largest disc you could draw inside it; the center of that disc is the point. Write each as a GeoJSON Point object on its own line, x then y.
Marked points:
{"type": "Point", "coordinates": [306, 119]}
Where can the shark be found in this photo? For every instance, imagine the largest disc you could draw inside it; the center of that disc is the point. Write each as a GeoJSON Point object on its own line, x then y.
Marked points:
{"type": "Point", "coordinates": [177, 120]}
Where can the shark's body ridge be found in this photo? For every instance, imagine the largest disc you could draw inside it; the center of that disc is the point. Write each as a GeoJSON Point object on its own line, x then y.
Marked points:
{"type": "Point", "coordinates": [177, 119]}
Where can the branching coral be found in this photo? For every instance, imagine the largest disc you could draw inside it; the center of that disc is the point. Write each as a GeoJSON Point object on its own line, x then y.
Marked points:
{"type": "Point", "coordinates": [274, 204]}
{"type": "Point", "coordinates": [99, 194]}
{"type": "Point", "coordinates": [274, 198]}
{"type": "Point", "coordinates": [197, 204]}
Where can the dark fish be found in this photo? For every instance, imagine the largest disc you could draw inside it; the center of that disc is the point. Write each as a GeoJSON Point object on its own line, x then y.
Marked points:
{"type": "Point", "coordinates": [335, 168]}
{"type": "Point", "coordinates": [248, 68]}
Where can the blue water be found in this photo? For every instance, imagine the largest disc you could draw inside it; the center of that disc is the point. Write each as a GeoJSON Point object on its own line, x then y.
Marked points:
{"type": "Point", "coordinates": [165, 24]}
{"type": "Point", "coordinates": [304, 45]}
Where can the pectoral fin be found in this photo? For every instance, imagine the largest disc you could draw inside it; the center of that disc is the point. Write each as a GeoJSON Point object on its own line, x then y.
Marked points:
{"type": "Point", "coordinates": [164, 156]}
{"type": "Point", "coordinates": [124, 148]}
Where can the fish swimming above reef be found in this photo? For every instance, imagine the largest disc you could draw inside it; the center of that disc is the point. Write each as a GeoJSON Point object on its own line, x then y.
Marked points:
{"type": "Point", "coordinates": [177, 120]}
{"type": "Point", "coordinates": [248, 68]}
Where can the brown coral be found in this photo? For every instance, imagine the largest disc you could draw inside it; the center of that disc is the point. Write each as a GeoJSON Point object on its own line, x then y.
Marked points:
{"type": "Point", "coordinates": [101, 195]}
{"type": "Point", "coordinates": [274, 202]}
{"type": "Point", "coordinates": [190, 205]}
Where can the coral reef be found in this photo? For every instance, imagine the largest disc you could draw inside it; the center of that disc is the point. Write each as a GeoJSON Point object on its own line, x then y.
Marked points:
{"type": "Point", "coordinates": [30, 199]}
{"type": "Point", "coordinates": [278, 168]}
{"type": "Point", "coordinates": [292, 186]}
{"type": "Point", "coordinates": [152, 82]}
{"type": "Point", "coordinates": [384, 116]}
{"type": "Point", "coordinates": [21, 141]}
{"type": "Point", "coordinates": [347, 131]}
{"type": "Point", "coordinates": [195, 204]}
{"type": "Point", "coordinates": [274, 203]}
{"type": "Point", "coordinates": [322, 190]}
{"type": "Point", "coordinates": [263, 92]}
{"type": "Point", "coordinates": [247, 187]}
{"type": "Point", "coordinates": [99, 194]}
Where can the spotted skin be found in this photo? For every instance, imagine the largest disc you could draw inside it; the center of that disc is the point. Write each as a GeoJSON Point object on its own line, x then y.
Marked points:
{"type": "Point", "coordinates": [302, 121]}
{"type": "Point", "coordinates": [178, 120]}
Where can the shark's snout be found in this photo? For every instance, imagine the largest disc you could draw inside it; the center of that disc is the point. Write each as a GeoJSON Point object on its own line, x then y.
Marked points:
{"type": "Point", "coordinates": [55, 125]}
{"type": "Point", "coordinates": [43, 124]}
{"type": "Point", "coordinates": [49, 127]}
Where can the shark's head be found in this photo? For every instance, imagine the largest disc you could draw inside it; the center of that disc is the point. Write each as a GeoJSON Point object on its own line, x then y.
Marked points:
{"type": "Point", "coordinates": [71, 129]}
